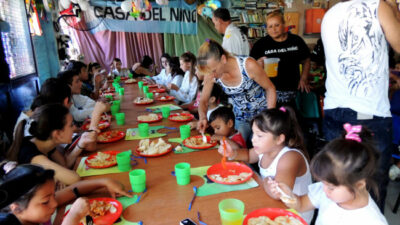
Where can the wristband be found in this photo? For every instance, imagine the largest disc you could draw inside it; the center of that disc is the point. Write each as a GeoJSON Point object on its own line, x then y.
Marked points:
{"type": "Point", "coordinates": [77, 145]}
{"type": "Point", "coordinates": [76, 192]}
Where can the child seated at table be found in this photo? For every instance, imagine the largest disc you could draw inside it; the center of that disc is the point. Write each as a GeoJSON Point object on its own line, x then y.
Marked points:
{"type": "Point", "coordinates": [97, 79]}
{"type": "Point", "coordinates": [117, 70]}
{"type": "Point", "coordinates": [175, 74]}
{"type": "Point", "coordinates": [345, 169]}
{"type": "Point", "coordinates": [222, 120]}
{"type": "Point", "coordinates": [186, 92]}
{"type": "Point", "coordinates": [30, 197]}
{"type": "Point", "coordinates": [279, 151]}
{"type": "Point", "coordinates": [164, 77]}
{"type": "Point", "coordinates": [144, 67]}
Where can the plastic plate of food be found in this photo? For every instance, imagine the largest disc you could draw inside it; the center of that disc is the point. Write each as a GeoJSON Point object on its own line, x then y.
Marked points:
{"type": "Point", "coordinates": [153, 149]}
{"type": "Point", "coordinates": [153, 86]}
{"type": "Point", "coordinates": [166, 98]}
{"type": "Point", "coordinates": [123, 78]}
{"type": "Point", "coordinates": [110, 136]}
{"type": "Point", "coordinates": [143, 101]}
{"type": "Point", "coordinates": [105, 210]}
{"type": "Point", "coordinates": [104, 124]}
{"type": "Point", "coordinates": [280, 216]}
{"type": "Point", "coordinates": [181, 117]}
{"type": "Point", "coordinates": [158, 90]}
{"type": "Point", "coordinates": [149, 118]}
{"type": "Point", "coordinates": [234, 173]}
{"type": "Point", "coordinates": [196, 142]}
{"type": "Point", "coordinates": [101, 160]}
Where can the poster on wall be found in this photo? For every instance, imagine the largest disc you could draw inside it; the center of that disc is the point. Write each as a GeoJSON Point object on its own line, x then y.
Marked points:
{"type": "Point", "coordinates": [177, 17]}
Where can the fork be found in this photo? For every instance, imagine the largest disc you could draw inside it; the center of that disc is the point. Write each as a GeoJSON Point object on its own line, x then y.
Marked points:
{"type": "Point", "coordinates": [204, 137]}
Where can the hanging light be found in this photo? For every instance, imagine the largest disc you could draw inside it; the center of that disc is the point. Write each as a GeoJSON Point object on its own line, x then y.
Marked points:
{"type": "Point", "coordinates": [84, 5]}
{"type": "Point", "coordinates": [65, 3]}
{"type": "Point", "coordinates": [126, 6]}
{"type": "Point", "coordinates": [162, 2]}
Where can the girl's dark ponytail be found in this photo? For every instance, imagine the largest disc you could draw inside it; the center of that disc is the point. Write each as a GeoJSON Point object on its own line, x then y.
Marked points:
{"type": "Point", "coordinates": [13, 151]}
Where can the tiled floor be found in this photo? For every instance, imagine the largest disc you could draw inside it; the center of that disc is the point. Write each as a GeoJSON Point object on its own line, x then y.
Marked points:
{"type": "Point", "coordinates": [393, 192]}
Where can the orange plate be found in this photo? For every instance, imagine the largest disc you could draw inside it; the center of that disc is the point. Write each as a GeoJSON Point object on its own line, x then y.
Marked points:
{"type": "Point", "coordinates": [155, 155]}
{"type": "Point", "coordinates": [272, 213]}
{"type": "Point", "coordinates": [232, 168]}
{"type": "Point", "coordinates": [120, 135]}
{"type": "Point", "coordinates": [150, 121]}
{"type": "Point", "coordinates": [158, 90]}
{"type": "Point", "coordinates": [123, 78]}
{"type": "Point", "coordinates": [100, 167]}
{"type": "Point", "coordinates": [104, 124]}
{"type": "Point", "coordinates": [211, 143]}
{"type": "Point", "coordinates": [171, 117]}
{"type": "Point", "coordinates": [108, 218]}
{"type": "Point", "coordinates": [144, 103]}
{"type": "Point", "coordinates": [167, 98]}
{"type": "Point", "coordinates": [153, 86]}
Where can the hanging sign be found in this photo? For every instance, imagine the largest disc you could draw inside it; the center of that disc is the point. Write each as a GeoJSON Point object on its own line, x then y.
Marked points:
{"type": "Point", "coordinates": [177, 17]}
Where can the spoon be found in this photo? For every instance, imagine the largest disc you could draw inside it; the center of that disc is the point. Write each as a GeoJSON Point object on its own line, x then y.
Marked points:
{"type": "Point", "coordinates": [204, 137]}
{"type": "Point", "coordinates": [223, 160]}
{"type": "Point", "coordinates": [194, 196]}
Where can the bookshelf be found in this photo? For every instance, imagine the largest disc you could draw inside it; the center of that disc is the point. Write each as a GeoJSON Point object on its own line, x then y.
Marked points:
{"type": "Point", "coordinates": [252, 15]}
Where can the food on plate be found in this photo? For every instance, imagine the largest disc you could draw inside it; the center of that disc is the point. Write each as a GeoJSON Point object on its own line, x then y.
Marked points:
{"type": "Point", "coordinates": [148, 117]}
{"type": "Point", "coordinates": [163, 98]}
{"type": "Point", "coordinates": [181, 117]}
{"type": "Point", "coordinates": [230, 178]}
{"type": "Point", "coordinates": [151, 148]}
{"type": "Point", "coordinates": [143, 100]}
{"type": "Point", "coordinates": [100, 208]}
{"type": "Point", "coordinates": [108, 135]}
{"type": "Point", "coordinates": [178, 148]}
{"type": "Point", "coordinates": [196, 142]}
{"type": "Point", "coordinates": [102, 159]}
{"type": "Point", "coordinates": [131, 80]}
{"type": "Point", "coordinates": [280, 220]}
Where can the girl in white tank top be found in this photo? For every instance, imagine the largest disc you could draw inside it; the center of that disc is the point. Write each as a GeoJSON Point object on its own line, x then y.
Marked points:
{"type": "Point", "coordinates": [276, 140]}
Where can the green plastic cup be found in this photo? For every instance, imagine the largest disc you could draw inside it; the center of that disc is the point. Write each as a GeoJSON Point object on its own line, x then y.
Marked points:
{"type": "Point", "coordinates": [231, 211]}
{"type": "Point", "coordinates": [120, 117]}
{"type": "Point", "coordinates": [185, 131]}
{"type": "Point", "coordinates": [137, 178]}
{"type": "Point", "coordinates": [109, 97]}
{"type": "Point", "coordinates": [143, 129]}
{"type": "Point", "coordinates": [182, 173]}
{"type": "Point", "coordinates": [117, 103]}
{"type": "Point", "coordinates": [114, 109]}
{"type": "Point", "coordinates": [124, 161]}
{"type": "Point", "coordinates": [150, 95]}
{"type": "Point", "coordinates": [146, 89]}
{"type": "Point", "coordinates": [118, 78]}
{"type": "Point", "coordinates": [121, 91]}
{"type": "Point", "coordinates": [140, 84]}
{"type": "Point", "coordinates": [130, 75]}
{"type": "Point", "coordinates": [165, 110]}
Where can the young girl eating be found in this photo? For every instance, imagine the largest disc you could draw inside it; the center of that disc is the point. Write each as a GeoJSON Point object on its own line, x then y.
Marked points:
{"type": "Point", "coordinates": [51, 125]}
{"type": "Point", "coordinates": [344, 169]}
{"type": "Point", "coordinates": [188, 90]}
{"type": "Point", "coordinates": [279, 151]}
{"type": "Point", "coordinates": [30, 197]}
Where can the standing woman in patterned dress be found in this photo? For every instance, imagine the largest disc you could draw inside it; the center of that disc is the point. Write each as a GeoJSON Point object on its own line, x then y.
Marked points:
{"type": "Point", "coordinates": [241, 78]}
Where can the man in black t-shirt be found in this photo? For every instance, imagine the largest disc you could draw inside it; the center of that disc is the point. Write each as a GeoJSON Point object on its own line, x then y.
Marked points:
{"type": "Point", "coordinates": [291, 51]}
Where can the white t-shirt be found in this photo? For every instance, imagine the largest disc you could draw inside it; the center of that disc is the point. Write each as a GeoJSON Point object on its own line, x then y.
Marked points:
{"type": "Point", "coordinates": [235, 41]}
{"type": "Point", "coordinates": [187, 90]}
{"type": "Point", "coordinates": [301, 183]}
{"type": "Point", "coordinates": [209, 111]}
{"type": "Point", "coordinates": [356, 58]}
{"type": "Point", "coordinates": [163, 78]}
{"type": "Point", "coordinates": [330, 213]}
{"type": "Point", "coordinates": [82, 107]}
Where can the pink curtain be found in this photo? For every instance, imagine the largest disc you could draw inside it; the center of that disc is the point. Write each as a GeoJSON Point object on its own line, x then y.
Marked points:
{"type": "Point", "coordinates": [104, 46]}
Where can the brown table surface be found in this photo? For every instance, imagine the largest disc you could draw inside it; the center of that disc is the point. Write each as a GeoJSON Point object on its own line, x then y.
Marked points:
{"type": "Point", "coordinates": [166, 202]}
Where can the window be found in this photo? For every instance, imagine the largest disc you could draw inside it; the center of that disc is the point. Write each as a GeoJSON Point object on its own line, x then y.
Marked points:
{"type": "Point", "coordinates": [17, 41]}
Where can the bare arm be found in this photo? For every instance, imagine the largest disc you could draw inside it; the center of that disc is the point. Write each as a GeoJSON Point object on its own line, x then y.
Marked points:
{"type": "Point", "coordinates": [257, 73]}
{"type": "Point", "coordinates": [203, 104]}
{"type": "Point", "coordinates": [62, 174]}
{"type": "Point", "coordinates": [389, 18]}
{"type": "Point", "coordinates": [303, 83]}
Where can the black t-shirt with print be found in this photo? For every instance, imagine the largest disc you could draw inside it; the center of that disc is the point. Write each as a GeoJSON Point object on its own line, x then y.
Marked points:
{"type": "Point", "coordinates": [291, 53]}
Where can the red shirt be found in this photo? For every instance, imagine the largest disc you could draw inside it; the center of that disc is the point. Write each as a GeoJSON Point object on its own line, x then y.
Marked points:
{"type": "Point", "coordinates": [238, 138]}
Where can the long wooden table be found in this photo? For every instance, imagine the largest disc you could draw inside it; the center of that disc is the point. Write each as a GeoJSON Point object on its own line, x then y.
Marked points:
{"type": "Point", "coordinates": [166, 202]}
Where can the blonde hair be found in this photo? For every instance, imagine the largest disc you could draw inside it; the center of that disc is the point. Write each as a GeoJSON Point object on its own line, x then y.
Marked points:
{"type": "Point", "coordinates": [276, 13]}
{"type": "Point", "coordinates": [210, 49]}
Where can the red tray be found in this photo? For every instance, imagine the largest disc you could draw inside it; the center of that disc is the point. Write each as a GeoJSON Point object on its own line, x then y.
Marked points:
{"type": "Point", "coordinates": [167, 98]}
{"type": "Point", "coordinates": [211, 143]}
{"type": "Point", "coordinates": [151, 121]}
{"type": "Point", "coordinates": [104, 124]}
{"type": "Point", "coordinates": [153, 86]}
{"type": "Point", "coordinates": [120, 136]}
{"type": "Point", "coordinates": [144, 103]}
{"type": "Point", "coordinates": [123, 78]}
{"type": "Point", "coordinates": [158, 90]}
{"type": "Point", "coordinates": [101, 167]}
{"type": "Point", "coordinates": [108, 218]}
{"type": "Point", "coordinates": [232, 168]}
{"type": "Point", "coordinates": [155, 155]}
{"type": "Point", "coordinates": [272, 213]}
{"type": "Point", "coordinates": [171, 117]}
